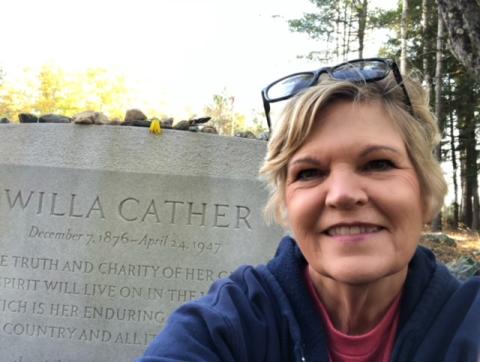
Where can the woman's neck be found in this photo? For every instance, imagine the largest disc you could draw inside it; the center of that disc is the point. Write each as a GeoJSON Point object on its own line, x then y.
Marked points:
{"type": "Point", "coordinates": [356, 309]}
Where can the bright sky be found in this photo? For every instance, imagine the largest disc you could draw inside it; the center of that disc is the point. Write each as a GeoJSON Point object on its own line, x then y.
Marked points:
{"type": "Point", "coordinates": [175, 54]}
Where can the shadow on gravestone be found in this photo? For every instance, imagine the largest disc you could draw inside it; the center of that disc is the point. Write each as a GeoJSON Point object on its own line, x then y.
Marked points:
{"type": "Point", "coordinates": [105, 230]}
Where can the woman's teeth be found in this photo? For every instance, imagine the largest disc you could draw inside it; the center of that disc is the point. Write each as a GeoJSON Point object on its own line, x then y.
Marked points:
{"type": "Point", "coordinates": [351, 230]}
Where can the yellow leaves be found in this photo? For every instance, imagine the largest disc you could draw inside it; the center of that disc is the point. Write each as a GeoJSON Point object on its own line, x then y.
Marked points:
{"type": "Point", "coordinates": [53, 90]}
{"type": "Point", "coordinates": [155, 127]}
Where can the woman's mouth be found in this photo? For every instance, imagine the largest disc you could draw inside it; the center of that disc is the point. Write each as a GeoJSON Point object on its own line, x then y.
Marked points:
{"type": "Point", "coordinates": [344, 230]}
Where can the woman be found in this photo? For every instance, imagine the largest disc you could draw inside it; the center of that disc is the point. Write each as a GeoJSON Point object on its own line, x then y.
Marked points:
{"type": "Point", "coordinates": [353, 179]}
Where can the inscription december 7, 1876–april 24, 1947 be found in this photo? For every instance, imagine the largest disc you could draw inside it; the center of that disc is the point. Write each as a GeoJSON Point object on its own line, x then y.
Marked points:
{"type": "Point", "coordinates": [93, 260]}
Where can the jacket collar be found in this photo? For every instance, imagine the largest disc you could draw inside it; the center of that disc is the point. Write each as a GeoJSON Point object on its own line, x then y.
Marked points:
{"type": "Point", "coordinates": [427, 287]}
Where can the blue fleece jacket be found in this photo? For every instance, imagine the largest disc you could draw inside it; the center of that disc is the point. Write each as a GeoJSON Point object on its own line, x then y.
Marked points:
{"type": "Point", "coordinates": [266, 314]}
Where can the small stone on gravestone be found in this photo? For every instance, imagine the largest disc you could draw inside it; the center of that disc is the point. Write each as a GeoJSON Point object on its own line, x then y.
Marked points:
{"type": "Point", "coordinates": [167, 123]}
{"type": "Point", "coordinates": [182, 125]}
{"type": "Point", "coordinates": [246, 134]}
{"type": "Point", "coordinates": [194, 128]}
{"type": "Point", "coordinates": [27, 118]}
{"type": "Point", "coordinates": [200, 120]}
{"type": "Point", "coordinates": [209, 129]}
{"type": "Point", "coordinates": [134, 115]}
{"type": "Point", "coordinates": [90, 117]}
{"type": "Point", "coordinates": [54, 118]}
{"type": "Point", "coordinates": [191, 125]}
{"type": "Point", "coordinates": [264, 136]}
{"type": "Point", "coordinates": [115, 122]}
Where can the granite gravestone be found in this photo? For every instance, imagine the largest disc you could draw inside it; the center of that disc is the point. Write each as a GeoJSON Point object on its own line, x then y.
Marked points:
{"type": "Point", "coordinates": [105, 230]}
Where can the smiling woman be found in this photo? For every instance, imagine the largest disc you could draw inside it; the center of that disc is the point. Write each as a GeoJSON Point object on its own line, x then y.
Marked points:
{"type": "Point", "coordinates": [353, 179]}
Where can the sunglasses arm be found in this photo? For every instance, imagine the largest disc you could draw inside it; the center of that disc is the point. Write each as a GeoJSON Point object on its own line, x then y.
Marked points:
{"type": "Point", "coordinates": [266, 106]}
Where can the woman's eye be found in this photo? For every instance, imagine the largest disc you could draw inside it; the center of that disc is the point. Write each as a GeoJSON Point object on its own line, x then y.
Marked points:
{"type": "Point", "coordinates": [308, 174]}
{"type": "Point", "coordinates": [379, 165]}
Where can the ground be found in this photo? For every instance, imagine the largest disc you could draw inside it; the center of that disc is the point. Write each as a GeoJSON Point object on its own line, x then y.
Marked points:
{"type": "Point", "coordinates": [464, 257]}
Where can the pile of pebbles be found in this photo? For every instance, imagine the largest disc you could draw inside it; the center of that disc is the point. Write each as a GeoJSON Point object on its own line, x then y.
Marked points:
{"type": "Point", "coordinates": [133, 117]}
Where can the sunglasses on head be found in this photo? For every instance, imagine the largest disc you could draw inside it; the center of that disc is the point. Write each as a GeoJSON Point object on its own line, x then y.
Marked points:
{"type": "Point", "coordinates": [357, 71]}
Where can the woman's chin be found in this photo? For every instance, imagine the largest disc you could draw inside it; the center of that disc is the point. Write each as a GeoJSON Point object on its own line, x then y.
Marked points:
{"type": "Point", "coordinates": [359, 272]}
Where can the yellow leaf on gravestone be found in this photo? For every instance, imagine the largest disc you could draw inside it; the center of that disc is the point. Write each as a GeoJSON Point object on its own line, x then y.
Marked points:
{"type": "Point", "coordinates": [155, 127]}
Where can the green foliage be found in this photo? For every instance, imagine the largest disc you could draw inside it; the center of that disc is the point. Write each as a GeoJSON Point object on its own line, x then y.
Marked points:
{"type": "Point", "coordinates": [390, 20]}
{"type": "Point", "coordinates": [380, 18]}
{"type": "Point", "coordinates": [339, 25]}
{"type": "Point", "coordinates": [316, 25]}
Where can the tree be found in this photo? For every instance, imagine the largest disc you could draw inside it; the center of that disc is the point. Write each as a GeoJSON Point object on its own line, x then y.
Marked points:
{"type": "Point", "coordinates": [13, 101]}
{"type": "Point", "coordinates": [461, 18]}
{"type": "Point", "coordinates": [453, 152]}
{"type": "Point", "coordinates": [224, 118]}
{"type": "Point", "coordinates": [467, 97]}
{"type": "Point", "coordinates": [362, 25]}
{"type": "Point", "coordinates": [437, 222]}
{"type": "Point", "coordinates": [103, 92]}
{"type": "Point", "coordinates": [403, 37]}
{"type": "Point", "coordinates": [257, 124]}
{"type": "Point", "coordinates": [338, 23]}
{"type": "Point", "coordinates": [52, 90]}
{"type": "Point", "coordinates": [14, 98]}
{"type": "Point", "coordinates": [426, 46]}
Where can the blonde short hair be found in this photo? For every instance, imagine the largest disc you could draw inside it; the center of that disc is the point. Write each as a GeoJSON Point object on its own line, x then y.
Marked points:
{"type": "Point", "coordinates": [419, 132]}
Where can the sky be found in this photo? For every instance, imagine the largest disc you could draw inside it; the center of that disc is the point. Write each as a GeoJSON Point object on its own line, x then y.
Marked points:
{"type": "Point", "coordinates": [174, 54]}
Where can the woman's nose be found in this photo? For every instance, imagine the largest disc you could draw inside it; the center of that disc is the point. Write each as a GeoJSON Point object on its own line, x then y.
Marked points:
{"type": "Point", "coordinates": [345, 190]}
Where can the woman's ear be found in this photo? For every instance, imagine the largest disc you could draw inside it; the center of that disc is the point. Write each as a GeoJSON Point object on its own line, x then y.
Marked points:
{"type": "Point", "coordinates": [428, 211]}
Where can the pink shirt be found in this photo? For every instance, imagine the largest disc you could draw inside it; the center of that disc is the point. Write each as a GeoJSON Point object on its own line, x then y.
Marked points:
{"type": "Point", "coordinates": [375, 345]}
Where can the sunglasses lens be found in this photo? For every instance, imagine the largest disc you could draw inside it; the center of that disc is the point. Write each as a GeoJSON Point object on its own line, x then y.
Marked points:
{"type": "Point", "coordinates": [361, 71]}
{"type": "Point", "coordinates": [289, 86]}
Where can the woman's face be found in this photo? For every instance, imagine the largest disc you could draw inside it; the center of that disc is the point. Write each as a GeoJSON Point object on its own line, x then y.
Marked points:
{"type": "Point", "coordinates": [353, 197]}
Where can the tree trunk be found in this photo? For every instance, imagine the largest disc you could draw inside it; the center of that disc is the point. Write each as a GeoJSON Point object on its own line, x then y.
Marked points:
{"type": "Point", "coordinates": [437, 222]}
{"type": "Point", "coordinates": [349, 32]}
{"type": "Point", "coordinates": [344, 36]}
{"type": "Point", "coordinates": [438, 79]}
{"type": "Point", "coordinates": [338, 32]}
{"type": "Point", "coordinates": [426, 8]}
{"type": "Point", "coordinates": [362, 24]}
{"type": "Point", "coordinates": [462, 21]}
{"type": "Point", "coordinates": [403, 38]}
{"type": "Point", "coordinates": [476, 206]}
{"type": "Point", "coordinates": [466, 115]}
{"type": "Point", "coordinates": [453, 147]}
{"type": "Point", "coordinates": [466, 195]}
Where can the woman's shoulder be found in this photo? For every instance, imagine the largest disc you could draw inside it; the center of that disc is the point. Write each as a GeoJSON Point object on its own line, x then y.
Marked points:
{"type": "Point", "coordinates": [467, 298]}
{"type": "Point", "coordinates": [471, 285]}
{"type": "Point", "coordinates": [458, 324]}
{"type": "Point", "coordinates": [246, 288]}
{"type": "Point", "coordinates": [448, 328]}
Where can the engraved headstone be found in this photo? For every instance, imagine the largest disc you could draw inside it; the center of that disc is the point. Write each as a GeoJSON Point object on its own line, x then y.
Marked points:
{"type": "Point", "coordinates": [105, 230]}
